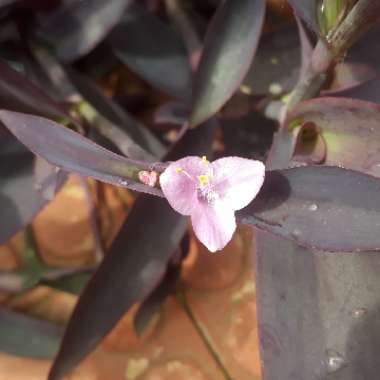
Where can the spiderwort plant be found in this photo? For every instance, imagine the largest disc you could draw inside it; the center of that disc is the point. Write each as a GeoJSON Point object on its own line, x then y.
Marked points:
{"type": "Point", "coordinates": [312, 223]}
{"type": "Point", "coordinates": [211, 192]}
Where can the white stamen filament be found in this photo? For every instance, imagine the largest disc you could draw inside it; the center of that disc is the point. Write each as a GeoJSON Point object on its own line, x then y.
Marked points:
{"type": "Point", "coordinates": [205, 191]}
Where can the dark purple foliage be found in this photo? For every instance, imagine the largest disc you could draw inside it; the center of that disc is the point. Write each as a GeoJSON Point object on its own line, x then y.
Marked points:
{"type": "Point", "coordinates": [313, 206]}
{"type": "Point", "coordinates": [229, 47]}
{"type": "Point", "coordinates": [132, 267]}
{"type": "Point", "coordinates": [154, 51]}
{"type": "Point", "coordinates": [76, 27]}
{"type": "Point", "coordinates": [306, 10]}
{"type": "Point", "coordinates": [306, 103]}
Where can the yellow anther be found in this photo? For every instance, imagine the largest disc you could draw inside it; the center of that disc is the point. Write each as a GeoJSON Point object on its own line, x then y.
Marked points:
{"type": "Point", "coordinates": [178, 170]}
{"type": "Point", "coordinates": [203, 179]}
{"type": "Point", "coordinates": [205, 160]}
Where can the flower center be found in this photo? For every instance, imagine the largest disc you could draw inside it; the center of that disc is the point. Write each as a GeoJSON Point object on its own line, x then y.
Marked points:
{"type": "Point", "coordinates": [207, 194]}
{"type": "Point", "coordinates": [204, 179]}
{"type": "Point", "coordinates": [205, 191]}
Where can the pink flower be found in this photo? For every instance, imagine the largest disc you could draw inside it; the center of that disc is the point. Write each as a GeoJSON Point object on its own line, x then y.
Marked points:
{"type": "Point", "coordinates": [211, 193]}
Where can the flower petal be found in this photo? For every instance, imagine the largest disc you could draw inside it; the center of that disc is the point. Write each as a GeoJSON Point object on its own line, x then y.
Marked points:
{"type": "Point", "coordinates": [180, 187]}
{"type": "Point", "coordinates": [237, 180]}
{"type": "Point", "coordinates": [213, 224]}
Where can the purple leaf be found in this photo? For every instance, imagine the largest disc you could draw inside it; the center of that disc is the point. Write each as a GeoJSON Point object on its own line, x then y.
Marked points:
{"type": "Point", "coordinates": [72, 152]}
{"type": "Point", "coordinates": [369, 91]}
{"type": "Point", "coordinates": [19, 199]}
{"type": "Point", "coordinates": [17, 93]}
{"type": "Point", "coordinates": [151, 305]}
{"type": "Point", "coordinates": [229, 48]}
{"type": "Point", "coordinates": [172, 113]}
{"type": "Point", "coordinates": [323, 207]}
{"type": "Point", "coordinates": [130, 271]}
{"type": "Point", "coordinates": [316, 309]}
{"type": "Point", "coordinates": [154, 51]}
{"type": "Point", "coordinates": [99, 246]}
{"type": "Point", "coordinates": [306, 47]}
{"type": "Point", "coordinates": [114, 134]}
{"type": "Point", "coordinates": [116, 115]}
{"type": "Point", "coordinates": [347, 76]}
{"type": "Point", "coordinates": [282, 149]}
{"type": "Point", "coordinates": [48, 178]}
{"type": "Point", "coordinates": [76, 27]}
{"type": "Point", "coordinates": [185, 23]}
{"type": "Point", "coordinates": [62, 84]}
{"type": "Point", "coordinates": [306, 10]}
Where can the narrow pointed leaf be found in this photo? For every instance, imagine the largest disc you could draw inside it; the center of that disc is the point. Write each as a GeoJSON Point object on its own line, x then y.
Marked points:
{"type": "Point", "coordinates": [124, 143]}
{"type": "Point", "coordinates": [306, 47]}
{"type": "Point", "coordinates": [172, 113]}
{"type": "Point", "coordinates": [154, 51]}
{"type": "Point", "coordinates": [348, 75]}
{"type": "Point", "coordinates": [17, 93]}
{"type": "Point", "coordinates": [72, 152]}
{"type": "Point", "coordinates": [369, 91]}
{"type": "Point", "coordinates": [133, 267]}
{"type": "Point", "coordinates": [322, 207]}
{"type": "Point", "coordinates": [282, 149]}
{"type": "Point", "coordinates": [151, 305]}
{"type": "Point", "coordinates": [76, 27]}
{"type": "Point", "coordinates": [229, 48]}
{"type": "Point", "coordinates": [316, 309]}
{"type": "Point", "coordinates": [62, 84]}
{"type": "Point", "coordinates": [117, 115]}
{"type": "Point", "coordinates": [306, 10]}
{"type": "Point", "coordinates": [19, 199]}
{"type": "Point", "coordinates": [48, 178]}
{"type": "Point", "coordinates": [22, 335]}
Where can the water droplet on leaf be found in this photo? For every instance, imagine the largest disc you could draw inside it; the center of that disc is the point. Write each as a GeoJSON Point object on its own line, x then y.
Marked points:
{"type": "Point", "coordinates": [334, 361]}
{"type": "Point", "coordinates": [359, 313]}
{"type": "Point", "coordinates": [123, 182]}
